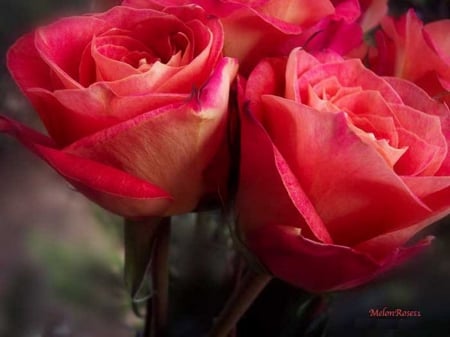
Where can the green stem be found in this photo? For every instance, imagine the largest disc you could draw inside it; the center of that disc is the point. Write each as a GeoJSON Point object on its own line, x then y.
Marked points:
{"type": "Point", "coordinates": [160, 276]}
{"type": "Point", "coordinates": [250, 287]}
{"type": "Point", "coordinates": [148, 319]}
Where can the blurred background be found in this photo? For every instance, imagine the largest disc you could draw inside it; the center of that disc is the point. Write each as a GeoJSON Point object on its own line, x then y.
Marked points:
{"type": "Point", "coordinates": [61, 257]}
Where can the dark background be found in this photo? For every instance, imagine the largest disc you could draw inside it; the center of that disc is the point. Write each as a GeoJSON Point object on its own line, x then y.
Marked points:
{"type": "Point", "coordinates": [61, 256]}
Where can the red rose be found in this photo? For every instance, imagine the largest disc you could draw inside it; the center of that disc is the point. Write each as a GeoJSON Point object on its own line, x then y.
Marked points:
{"type": "Point", "coordinates": [339, 169]}
{"type": "Point", "coordinates": [259, 28]}
{"type": "Point", "coordinates": [135, 103]}
{"type": "Point", "coordinates": [407, 48]}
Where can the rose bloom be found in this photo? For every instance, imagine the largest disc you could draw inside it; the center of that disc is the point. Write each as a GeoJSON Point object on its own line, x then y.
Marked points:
{"type": "Point", "coordinates": [339, 169]}
{"type": "Point", "coordinates": [135, 105]}
{"type": "Point", "coordinates": [259, 28]}
{"type": "Point", "coordinates": [407, 48]}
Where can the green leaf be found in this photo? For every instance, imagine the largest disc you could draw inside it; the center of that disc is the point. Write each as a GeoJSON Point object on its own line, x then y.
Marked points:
{"type": "Point", "coordinates": [308, 317]}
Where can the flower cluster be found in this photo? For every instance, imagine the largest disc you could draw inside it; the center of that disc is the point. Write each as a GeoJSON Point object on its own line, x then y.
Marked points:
{"type": "Point", "coordinates": [341, 145]}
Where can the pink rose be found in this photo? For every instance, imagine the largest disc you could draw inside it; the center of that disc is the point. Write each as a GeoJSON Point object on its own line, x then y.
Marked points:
{"type": "Point", "coordinates": [259, 28]}
{"type": "Point", "coordinates": [339, 169]}
{"type": "Point", "coordinates": [373, 11]}
{"type": "Point", "coordinates": [135, 102]}
{"type": "Point", "coordinates": [407, 48]}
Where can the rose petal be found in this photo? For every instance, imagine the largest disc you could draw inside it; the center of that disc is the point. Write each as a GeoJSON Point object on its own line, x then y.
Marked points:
{"type": "Point", "coordinates": [200, 66]}
{"type": "Point", "coordinates": [164, 78]}
{"type": "Point", "coordinates": [438, 34]}
{"type": "Point", "coordinates": [100, 102]}
{"type": "Point", "coordinates": [300, 13]}
{"type": "Point", "coordinates": [62, 43]}
{"type": "Point", "coordinates": [294, 258]}
{"type": "Point", "coordinates": [257, 192]}
{"type": "Point", "coordinates": [170, 146]}
{"type": "Point", "coordinates": [66, 125]}
{"type": "Point", "coordinates": [266, 78]}
{"type": "Point", "coordinates": [26, 66]}
{"type": "Point", "coordinates": [418, 99]}
{"type": "Point", "coordinates": [383, 127]}
{"type": "Point", "coordinates": [111, 188]}
{"type": "Point", "coordinates": [348, 10]}
{"type": "Point", "coordinates": [419, 132]}
{"type": "Point", "coordinates": [403, 41]}
{"type": "Point", "coordinates": [360, 192]}
{"type": "Point", "coordinates": [350, 73]}
{"type": "Point", "coordinates": [373, 12]}
{"type": "Point", "coordinates": [420, 158]}
{"type": "Point", "coordinates": [113, 68]}
{"type": "Point", "coordinates": [381, 246]}
{"type": "Point", "coordinates": [434, 191]}
{"type": "Point", "coordinates": [427, 130]}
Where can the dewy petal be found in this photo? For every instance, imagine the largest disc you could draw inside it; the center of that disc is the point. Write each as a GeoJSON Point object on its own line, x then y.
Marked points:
{"type": "Point", "coordinates": [170, 146]}
{"type": "Point", "coordinates": [111, 188]}
{"type": "Point", "coordinates": [319, 267]}
{"type": "Point", "coordinates": [353, 189]}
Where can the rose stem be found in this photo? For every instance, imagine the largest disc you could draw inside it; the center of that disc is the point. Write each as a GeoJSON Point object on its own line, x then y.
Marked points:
{"type": "Point", "coordinates": [239, 272]}
{"type": "Point", "coordinates": [238, 303]}
{"type": "Point", "coordinates": [158, 305]}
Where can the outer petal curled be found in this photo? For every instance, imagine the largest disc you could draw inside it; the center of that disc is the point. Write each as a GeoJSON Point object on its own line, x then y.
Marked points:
{"type": "Point", "coordinates": [111, 188]}
{"type": "Point", "coordinates": [320, 267]}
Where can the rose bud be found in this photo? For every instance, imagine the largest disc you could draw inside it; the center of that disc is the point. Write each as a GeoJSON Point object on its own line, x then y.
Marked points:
{"type": "Point", "coordinates": [339, 169]}
{"type": "Point", "coordinates": [407, 48]}
{"type": "Point", "coordinates": [135, 105]}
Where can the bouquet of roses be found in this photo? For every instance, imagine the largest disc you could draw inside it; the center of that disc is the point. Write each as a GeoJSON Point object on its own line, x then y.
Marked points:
{"type": "Point", "coordinates": [321, 130]}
